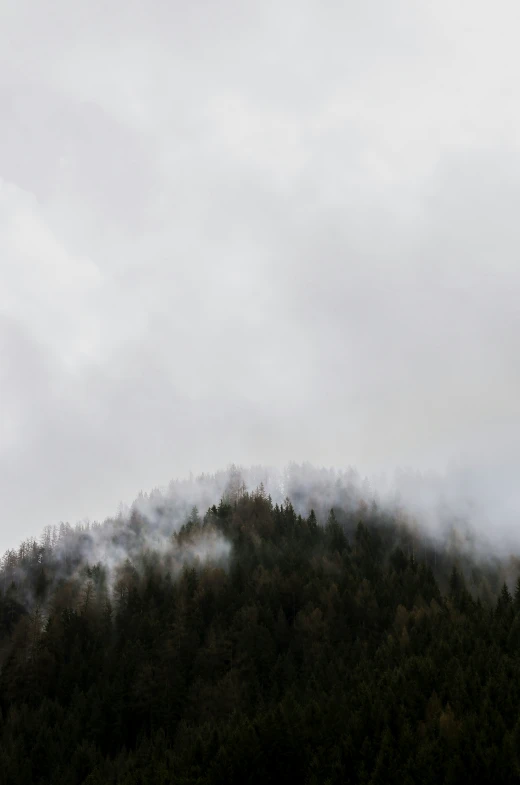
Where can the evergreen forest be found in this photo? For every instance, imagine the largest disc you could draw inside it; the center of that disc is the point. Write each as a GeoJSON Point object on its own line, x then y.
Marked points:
{"type": "Point", "coordinates": [254, 644]}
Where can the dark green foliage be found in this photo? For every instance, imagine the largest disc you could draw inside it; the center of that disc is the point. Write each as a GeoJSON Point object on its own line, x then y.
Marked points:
{"type": "Point", "coordinates": [348, 652]}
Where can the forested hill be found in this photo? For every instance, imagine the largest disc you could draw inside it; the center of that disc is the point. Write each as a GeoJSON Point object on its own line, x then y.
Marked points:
{"type": "Point", "coordinates": [254, 645]}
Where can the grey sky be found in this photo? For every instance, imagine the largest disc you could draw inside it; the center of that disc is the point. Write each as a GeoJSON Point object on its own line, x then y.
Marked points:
{"type": "Point", "coordinates": [253, 232]}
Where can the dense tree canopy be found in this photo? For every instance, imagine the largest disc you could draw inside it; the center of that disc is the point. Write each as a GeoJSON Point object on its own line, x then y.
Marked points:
{"type": "Point", "coordinates": [257, 646]}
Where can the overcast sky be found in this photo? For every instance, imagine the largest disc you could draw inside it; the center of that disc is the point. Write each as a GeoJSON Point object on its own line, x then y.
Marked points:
{"type": "Point", "coordinates": [253, 232]}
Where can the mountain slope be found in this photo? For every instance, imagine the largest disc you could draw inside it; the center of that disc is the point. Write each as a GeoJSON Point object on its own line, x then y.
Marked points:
{"type": "Point", "coordinates": [254, 644]}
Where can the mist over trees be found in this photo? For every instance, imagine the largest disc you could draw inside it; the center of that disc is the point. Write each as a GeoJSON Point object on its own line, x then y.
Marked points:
{"type": "Point", "coordinates": [293, 629]}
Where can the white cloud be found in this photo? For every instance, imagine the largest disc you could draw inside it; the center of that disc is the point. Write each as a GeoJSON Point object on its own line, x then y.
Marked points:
{"type": "Point", "coordinates": [281, 233]}
{"type": "Point", "coordinates": [48, 289]}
